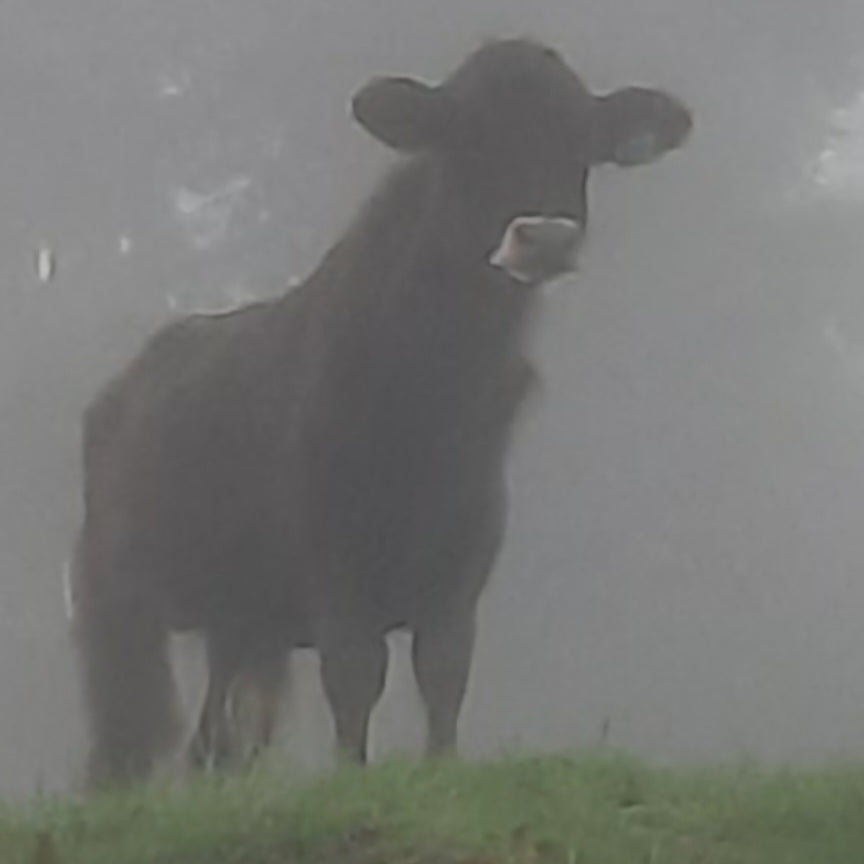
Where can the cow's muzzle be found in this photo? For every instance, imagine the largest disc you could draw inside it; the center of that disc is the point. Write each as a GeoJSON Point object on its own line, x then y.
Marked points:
{"type": "Point", "coordinates": [535, 249]}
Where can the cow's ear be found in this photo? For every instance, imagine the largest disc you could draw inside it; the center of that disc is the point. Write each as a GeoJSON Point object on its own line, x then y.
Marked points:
{"type": "Point", "coordinates": [402, 113]}
{"type": "Point", "coordinates": [636, 125]}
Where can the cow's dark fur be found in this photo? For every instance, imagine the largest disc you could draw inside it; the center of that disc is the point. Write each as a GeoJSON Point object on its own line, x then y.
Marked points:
{"type": "Point", "coordinates": [322, 468]}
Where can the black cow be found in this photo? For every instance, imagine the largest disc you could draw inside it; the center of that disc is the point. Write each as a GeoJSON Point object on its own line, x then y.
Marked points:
{"type": "Point", "coordinates": [320, 469]}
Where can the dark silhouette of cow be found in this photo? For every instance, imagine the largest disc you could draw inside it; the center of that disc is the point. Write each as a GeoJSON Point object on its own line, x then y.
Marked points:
{"type": "Point", "coordinates": [319, 469]}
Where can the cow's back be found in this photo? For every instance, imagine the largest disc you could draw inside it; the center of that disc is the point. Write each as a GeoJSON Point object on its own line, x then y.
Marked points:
{"type": "Point", "coordinates": [180, 450]}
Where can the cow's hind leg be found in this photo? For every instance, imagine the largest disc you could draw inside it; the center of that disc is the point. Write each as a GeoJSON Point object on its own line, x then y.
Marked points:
{"type": "Point", "coordinates": [442, 651]}
{"type": "Point", "coordinates": [244, 673]}
{"type": "Point", "coordinates": [129, 693]}
{"type": "Point", "coordinates": [254, 703]}
{"type": "Point", "coordinates": [353, 670]}
{"type": "Point", "coordinates": [210, 747]}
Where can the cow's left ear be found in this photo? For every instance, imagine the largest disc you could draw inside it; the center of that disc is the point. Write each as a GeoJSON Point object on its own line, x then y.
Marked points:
{"type": "Point", "coordinates": [636, 125]}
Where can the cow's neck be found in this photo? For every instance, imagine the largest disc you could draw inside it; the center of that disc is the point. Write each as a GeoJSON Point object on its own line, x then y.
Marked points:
{"type": "Point", "coordinates": [411, 284]}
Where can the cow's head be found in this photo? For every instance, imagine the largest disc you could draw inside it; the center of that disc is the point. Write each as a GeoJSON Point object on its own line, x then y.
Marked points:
{"type": "Point", "coordinates": [515, 132]}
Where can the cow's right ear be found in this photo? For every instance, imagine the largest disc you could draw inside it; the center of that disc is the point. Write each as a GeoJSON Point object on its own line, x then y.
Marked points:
{"type": "Point", "coordinates": [636, 125]}
{"type": "Point", "coordinates": [402, 113]}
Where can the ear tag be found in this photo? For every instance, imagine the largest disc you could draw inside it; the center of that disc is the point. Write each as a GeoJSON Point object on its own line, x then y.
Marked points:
{"type": "Point", "coordinates": [637, 150]}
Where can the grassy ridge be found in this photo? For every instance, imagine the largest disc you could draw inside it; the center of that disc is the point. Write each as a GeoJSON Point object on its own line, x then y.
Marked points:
{"type": "Point", "coordinates": [555, 810]}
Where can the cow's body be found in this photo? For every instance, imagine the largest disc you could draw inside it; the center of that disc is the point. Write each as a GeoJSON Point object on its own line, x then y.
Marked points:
{"type": "Point", "coordinates": [327, 466]}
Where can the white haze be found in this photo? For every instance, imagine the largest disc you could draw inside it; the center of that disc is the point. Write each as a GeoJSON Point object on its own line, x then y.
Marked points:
{"type": "Point", "coordinates": [685, 563]}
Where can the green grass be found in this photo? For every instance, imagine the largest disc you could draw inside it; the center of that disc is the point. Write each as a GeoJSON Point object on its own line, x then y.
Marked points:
{"type": "Point", "coordinates": [592, 809]}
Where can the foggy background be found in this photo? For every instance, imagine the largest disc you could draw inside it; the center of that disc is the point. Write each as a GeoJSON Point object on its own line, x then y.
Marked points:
{"type": "Point", "coordinates": [686, 552]}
